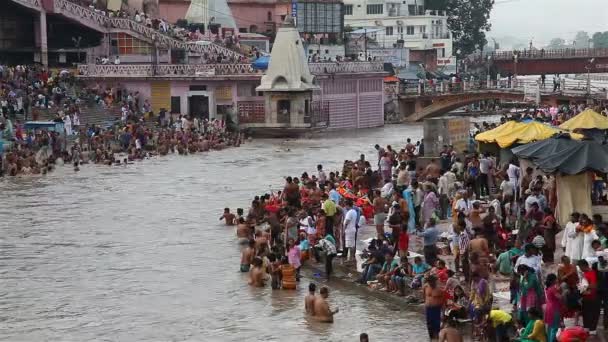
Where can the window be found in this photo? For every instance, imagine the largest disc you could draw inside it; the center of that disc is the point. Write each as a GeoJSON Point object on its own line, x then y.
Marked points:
{"type": "Point", "coordinates": [420, 10]}
{"type": "Point", "coordinates": [124, 44]}
{"type": "Point", "coordinates": [269, 16]}
{"type": "Point", "coordinates": [242, 30]}
{"type": "Point", "coordinates": [348, 9]}
{"type": "Point", "coordinates": [389, 30]}
{"type": "Point", "coordinates": [399, 29]}
{"type": "Point", "coordinates": [423, 29]}
{"type": "Point", "coordinates": [441, 53]}
{"type": "Point", "coordinates": [375, 9]}
{"type": "Point", "coordinates": [409, 30]}
{"type": "Point", "coordinates": [411, 9]}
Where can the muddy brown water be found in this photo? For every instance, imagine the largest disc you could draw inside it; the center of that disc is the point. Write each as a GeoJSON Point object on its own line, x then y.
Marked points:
{"type": "Point", "coordinates": [137, 253]}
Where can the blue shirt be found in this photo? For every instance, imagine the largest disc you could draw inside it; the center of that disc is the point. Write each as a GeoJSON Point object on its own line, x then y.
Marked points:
{"type": "Point", "coordinates": [420, 268]}
{"type": "Point", "coordinates": [430, 235]}
{"type": "Point", "coordinates": [334, 196]}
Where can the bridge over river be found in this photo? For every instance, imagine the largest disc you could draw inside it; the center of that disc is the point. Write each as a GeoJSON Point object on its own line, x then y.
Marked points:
{"type": "Point", "coordinates": [425, 100]}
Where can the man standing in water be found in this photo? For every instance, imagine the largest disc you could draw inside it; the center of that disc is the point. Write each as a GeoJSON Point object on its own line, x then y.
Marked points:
{"type": "Point", "coordinates": [433, 302]}
{"type": "Point", "coordinates": [256, 275]}
{"type": "Point", "coordinates": [322, 312]}
{"type": "Point", "coordinates": [309, 300]}
{"type": "Point", "coordinates": [247, 256]}
{"type": "Point", "coordinates": [228, 217]}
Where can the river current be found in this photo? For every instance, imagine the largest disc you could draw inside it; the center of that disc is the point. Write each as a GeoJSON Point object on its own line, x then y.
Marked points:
{"type": "Point", "coordinates": [137, 253]}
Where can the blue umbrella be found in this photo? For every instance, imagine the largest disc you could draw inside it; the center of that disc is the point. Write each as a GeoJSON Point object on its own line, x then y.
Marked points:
{"type": "Point", "coordinates": [261, 63]}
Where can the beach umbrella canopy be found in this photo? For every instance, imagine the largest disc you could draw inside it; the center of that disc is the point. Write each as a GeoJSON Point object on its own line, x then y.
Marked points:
{"type": "Point", "coordinates": [587, 119]}
{"type": "Point", "coordinates": [544, 148]}
{"type": "Point", "coordinates": [587, 155]}
{"type": "Point", "coordinates": [513, 132]}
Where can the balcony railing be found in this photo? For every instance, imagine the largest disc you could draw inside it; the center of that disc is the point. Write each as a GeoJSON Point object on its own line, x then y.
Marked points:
{"type": "Point", "coordinates": [210, 70]}
{"type": "Point", "coordinates": [165, 70]}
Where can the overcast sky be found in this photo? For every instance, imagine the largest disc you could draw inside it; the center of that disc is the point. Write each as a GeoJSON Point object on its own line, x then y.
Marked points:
{"type": "Point", "coordinates": [546, 19]}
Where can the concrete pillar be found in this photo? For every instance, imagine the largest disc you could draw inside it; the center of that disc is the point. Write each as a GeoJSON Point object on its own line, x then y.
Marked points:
{"type": "Point", "coordinates": [497, 81]}
{"type": "Point", "coordinates": [359, 103]}
{"type": "Point", "coordinates": [488, 82]}
{"type": "Point", "coordinates": [44, 47]}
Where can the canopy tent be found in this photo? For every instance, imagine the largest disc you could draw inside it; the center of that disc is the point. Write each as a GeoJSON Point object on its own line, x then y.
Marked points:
{"type": "Point", "coordinates": [543, 148]}
{"type": "Point", "coordinates": [587, 119]}
{"type": "Point", "coordinates": [513, 132]}
{"type": "Point", "coordinates": [588, 155]}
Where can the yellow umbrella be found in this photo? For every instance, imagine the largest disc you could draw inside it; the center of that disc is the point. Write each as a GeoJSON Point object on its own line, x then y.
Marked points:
{"type": "Point", "coordinates": [587, 119]}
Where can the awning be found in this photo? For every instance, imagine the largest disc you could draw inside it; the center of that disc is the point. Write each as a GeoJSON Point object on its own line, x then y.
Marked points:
{"type": "Point", "coordinates": [513, 132]}
{"type": "Point", "coordinates": [367, 30]}
{"type": "Point", "coordinates": [587, 119]}
{"type": "Point", "coordinates": [389, 79]}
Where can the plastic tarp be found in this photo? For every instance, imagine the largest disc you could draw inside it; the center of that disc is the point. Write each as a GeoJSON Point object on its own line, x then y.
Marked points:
{"type": "Point", "coordinates": [261, 63]}
{"type": "Point", "coordinates": [544, 148]}
{"type": "Point", "coordinates": [587, 119]}
{"type": "Point", "coordinates": [512, 132]}
{"type": "Point", "coordinates": [588, 155]}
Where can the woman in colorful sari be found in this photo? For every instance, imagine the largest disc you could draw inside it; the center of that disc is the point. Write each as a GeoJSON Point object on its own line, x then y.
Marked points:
{"type": "Point", "coordinates": [481, 302]}
{"type": "Point", "coordinates": [530, 293]}
{"type": "Point", "coordinates": [553, 307]}
{"type": "Point", "coordinates": [535, 328]}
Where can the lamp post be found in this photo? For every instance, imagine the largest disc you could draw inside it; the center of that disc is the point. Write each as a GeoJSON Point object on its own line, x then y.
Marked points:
{"type": "Point", "coordinates": [588, 67]}
{"type": "Point", "coordinates": [488, 74]}
{"type": "Point", "coordinates": [515, 70]}
{"type": "Point", "coordinates": [457, 54]}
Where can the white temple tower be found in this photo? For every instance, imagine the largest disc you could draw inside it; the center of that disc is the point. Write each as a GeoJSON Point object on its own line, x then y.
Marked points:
{"type": "Point", "coordinates": [288, 83]}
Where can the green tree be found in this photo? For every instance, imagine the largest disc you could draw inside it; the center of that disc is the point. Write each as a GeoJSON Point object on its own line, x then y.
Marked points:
{"type": "Point", "coordinates": [581, 40]}
{"type": "Point", "coordinates": [469, 21]}
{"type": "Point", "coordinates": [557, 43]}
{"type": "Point", "coordinates": [600, 39]}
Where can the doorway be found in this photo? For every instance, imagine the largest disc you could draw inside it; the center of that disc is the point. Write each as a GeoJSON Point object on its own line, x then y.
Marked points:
{"type": "Point", "coordinates": [198, 106]}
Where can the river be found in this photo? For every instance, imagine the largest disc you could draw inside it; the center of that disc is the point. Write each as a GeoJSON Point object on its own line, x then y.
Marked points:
{"type": "Point", "coordinates": [137, 253]}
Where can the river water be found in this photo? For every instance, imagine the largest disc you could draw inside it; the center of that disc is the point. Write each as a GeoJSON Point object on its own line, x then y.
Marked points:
{"type": "Point", "coordinates": [137, 253]}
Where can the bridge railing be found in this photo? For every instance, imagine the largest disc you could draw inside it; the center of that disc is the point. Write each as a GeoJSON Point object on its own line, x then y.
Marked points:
{"type": "Point", "coordinates": [550, 54]}
{"type": "Point", "coordinates": [431, 88]}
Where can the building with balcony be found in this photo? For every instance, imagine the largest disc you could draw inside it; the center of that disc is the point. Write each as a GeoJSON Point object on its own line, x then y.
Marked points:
{"type": "Point", "coordinates": [391, 23]}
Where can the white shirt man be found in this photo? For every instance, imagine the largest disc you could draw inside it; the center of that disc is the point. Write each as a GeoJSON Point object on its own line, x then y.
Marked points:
{"type": "Point", "coordinates": [513, 173]}
{"type": "Point", "coordinates": [350, 227]}
{"type": "Point", "coordinates": [484, 165]}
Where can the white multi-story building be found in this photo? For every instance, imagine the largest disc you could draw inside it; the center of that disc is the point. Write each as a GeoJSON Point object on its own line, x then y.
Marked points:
{"type": "Point", "coordinates": [391, 21]}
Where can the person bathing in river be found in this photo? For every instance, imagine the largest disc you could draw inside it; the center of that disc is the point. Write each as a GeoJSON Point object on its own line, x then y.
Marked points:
{"type": "Point", "coordinates": [247, 256]}
{"type": "Point", "coordinates": [228, 217]}
{"type": "Point", "coordinates": [243, 231]}
{"type": "Point", "coordinates": [322, 312]}
{"type": "Point", "coordinates": [309, 300]}
{"type": "Point", "coordinates": [257, 274]}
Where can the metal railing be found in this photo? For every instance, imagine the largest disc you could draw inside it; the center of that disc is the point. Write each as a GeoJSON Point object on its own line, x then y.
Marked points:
{"type": "Point", "coordinates": [550, 54]}
{"type": "Point", "coordinates": [566, 87]}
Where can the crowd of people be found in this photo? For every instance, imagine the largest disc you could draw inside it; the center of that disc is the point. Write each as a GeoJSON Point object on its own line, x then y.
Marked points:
{"type": "Point", "coordinates": [498, 226]}
{"type": "Point", "coordinates": [27, 91]}
{"type": "Point", "coordinates": [191, 33]}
